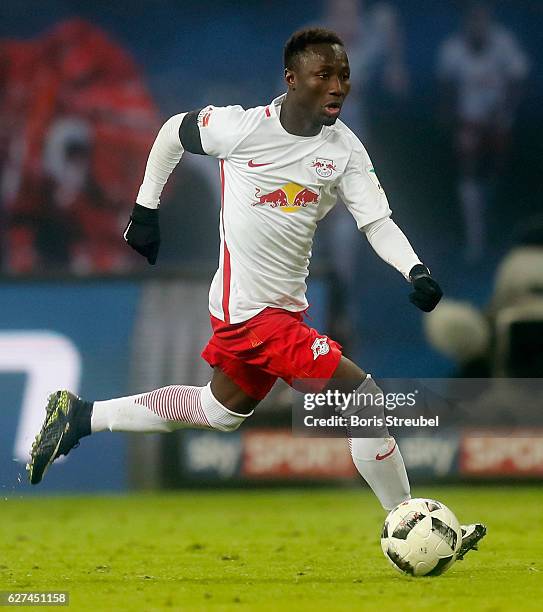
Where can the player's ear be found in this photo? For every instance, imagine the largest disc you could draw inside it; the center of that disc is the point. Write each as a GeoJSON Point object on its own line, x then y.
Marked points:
{"type": "Point", "coordinates": [290, 78]}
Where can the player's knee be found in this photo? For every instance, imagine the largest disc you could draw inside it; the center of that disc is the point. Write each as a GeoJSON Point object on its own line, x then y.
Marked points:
{"type": "Point", "coordinates": [347, 371]}
{"type": "Point", "coordinates": [218, 416]}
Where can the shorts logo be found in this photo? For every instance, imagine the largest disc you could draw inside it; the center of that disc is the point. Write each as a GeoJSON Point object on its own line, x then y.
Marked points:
{"type": "Point", "coordinates": [324, 167]}
{"type": "Point", "coordinates": [320, 347]}
{"type": "Point", "coordinates": [203, 116]}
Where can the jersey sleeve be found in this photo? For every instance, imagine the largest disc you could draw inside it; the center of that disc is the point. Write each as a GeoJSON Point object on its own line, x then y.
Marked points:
{"type": "Point", "coordinates": [221, 128]}
{"type": "Point", "coordinates": [360, 190]}
{"type": "Point", "coordinates": [514, 59]}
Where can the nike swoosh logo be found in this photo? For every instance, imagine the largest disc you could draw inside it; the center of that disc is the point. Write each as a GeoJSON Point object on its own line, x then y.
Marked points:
{"type": "Point", "coordinates": [381, 457]}
{"type": "Point", "coordinates": [252, 164]}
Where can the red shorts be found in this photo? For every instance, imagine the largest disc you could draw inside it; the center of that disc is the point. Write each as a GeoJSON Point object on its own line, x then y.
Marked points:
{"type": "Point", "coordinates": [273, 344]}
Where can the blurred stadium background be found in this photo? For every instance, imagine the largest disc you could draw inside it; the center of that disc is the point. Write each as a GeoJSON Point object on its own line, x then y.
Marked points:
{"type": "Point", "coordinates": [83, 90]}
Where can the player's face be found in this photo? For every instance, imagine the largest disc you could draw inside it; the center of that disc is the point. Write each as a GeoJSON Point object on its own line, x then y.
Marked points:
{"type": "Point", "coordinates": [320, 82]}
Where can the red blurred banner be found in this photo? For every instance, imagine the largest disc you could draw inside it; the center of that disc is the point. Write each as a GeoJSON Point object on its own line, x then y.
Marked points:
{"type": "Point", "coordinates": [520, 454]}
{"type": "Point", "coordinates": [277, 454]}
{"type": "Point", "coordinates": [76, 125]}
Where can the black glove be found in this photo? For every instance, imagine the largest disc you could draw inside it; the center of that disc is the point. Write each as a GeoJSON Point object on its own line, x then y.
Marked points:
{"type": "Point", "coordinates": [143, 232]}
{"type": "Point", "coordinates": [427, 292]}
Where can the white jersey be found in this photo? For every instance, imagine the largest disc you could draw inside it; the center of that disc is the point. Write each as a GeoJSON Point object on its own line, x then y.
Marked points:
{"type": "Point", "coordinates": [275, 187]}
{"type": "Point", "coordinates": [483, 77]}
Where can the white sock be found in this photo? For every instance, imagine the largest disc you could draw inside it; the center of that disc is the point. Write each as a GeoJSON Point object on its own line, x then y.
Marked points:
{"type": "Point", "coordinates": [387, 475]}
{"type": "Point", "coordinates": [165, 410]}
{"type": "Point", "coordinates": [378, 459]}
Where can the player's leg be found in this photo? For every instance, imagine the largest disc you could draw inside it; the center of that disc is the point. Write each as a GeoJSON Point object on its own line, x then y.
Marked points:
{"type": "Point", "coordinates": [213, 406]}
{"type": "Point", "coordinates": [231, 395]}
{"type": "Point", "coordinates": [471, 191]}
{"type": "Point", "coordinates": [377, 459]}
{"type": "Point", "coordinates": [289, 348]}
{"type": "Point", "coordinates": [221, 404]}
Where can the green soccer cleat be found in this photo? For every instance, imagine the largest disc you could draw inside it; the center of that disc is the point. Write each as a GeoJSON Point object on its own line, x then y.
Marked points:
{"type": "Point", "coordinates": [67, 420]}
{"type": "Point", "coordinates": [471, 536]}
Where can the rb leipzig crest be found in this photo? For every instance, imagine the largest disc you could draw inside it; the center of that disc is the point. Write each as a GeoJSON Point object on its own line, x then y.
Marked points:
{"type": "Point", "coordinates": [324, 167]}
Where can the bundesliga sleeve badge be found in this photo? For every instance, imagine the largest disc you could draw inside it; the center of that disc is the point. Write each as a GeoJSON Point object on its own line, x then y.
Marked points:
{"type": "Point", "coordinates": [371, 173]}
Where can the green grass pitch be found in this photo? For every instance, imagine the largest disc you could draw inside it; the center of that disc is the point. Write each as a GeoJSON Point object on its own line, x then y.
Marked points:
{"type": "Point", "coordinates": [299, 549]}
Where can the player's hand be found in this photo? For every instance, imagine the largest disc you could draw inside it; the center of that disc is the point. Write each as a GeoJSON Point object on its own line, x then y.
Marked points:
{"type": "Point", "coordinates": [143, 232]}
{"type": "Point", "coordinates": [427, 292]}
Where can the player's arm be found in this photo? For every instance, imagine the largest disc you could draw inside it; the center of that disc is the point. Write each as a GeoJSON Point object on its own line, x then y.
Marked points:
{"type": "Point", "coordinates": [143, 230]}
{"type": "Point", "coordinates": [392, 245]}
{"type": "Point", "coordinates": [362, 193]}
{"type": "Point", "coordinates": [516, 65]}
{"type": "Point", "coordinates": [209, 131]}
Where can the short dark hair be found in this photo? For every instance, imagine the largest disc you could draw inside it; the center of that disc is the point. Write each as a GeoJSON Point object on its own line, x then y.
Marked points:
{"type": "Point", "coordinates": [301, 39]}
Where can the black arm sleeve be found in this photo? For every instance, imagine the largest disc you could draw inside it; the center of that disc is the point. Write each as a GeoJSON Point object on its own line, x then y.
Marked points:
{"type": "Point", "coordinates": [189, 133]}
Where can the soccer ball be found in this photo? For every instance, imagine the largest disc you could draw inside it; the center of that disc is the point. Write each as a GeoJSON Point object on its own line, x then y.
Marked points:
{"type": "Point", "coordinates": [421, 537]}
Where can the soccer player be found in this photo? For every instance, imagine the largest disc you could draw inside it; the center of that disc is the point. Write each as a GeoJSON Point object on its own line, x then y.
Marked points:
{"type": "Point", "coordinates": [281, 167]}
{"type": "Point", "coordinates": [482, 70]}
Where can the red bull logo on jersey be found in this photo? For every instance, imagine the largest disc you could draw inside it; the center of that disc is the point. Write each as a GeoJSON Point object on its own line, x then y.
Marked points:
{"type": "Point", "coordinates": [288, 198]}
{"type": "Point", "coordinates": [324, 167]}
